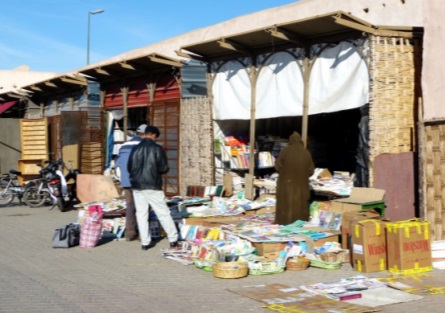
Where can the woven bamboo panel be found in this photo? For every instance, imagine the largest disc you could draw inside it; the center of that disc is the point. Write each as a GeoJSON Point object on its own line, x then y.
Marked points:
{"type": "Point", "coordinates": [92, 139]}
{"type": "Point", "coordinates": [434, 179]}
{"type": "Point", "coordinates": [395, 75]}
{"type": "Point", "coordinates": [196, 143]}
{"type": "Point", "coordinates": [91, 158]}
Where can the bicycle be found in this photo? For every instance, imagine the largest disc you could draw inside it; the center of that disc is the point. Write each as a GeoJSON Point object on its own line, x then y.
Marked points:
{"type": "Point", "coordinates": [10, 188]}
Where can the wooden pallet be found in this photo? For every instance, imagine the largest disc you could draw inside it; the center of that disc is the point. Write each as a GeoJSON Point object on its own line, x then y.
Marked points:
{"type": "Point", "coordinates": [34, 139]}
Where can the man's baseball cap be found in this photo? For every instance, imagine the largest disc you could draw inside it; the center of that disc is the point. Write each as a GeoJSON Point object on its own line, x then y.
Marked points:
{"type": "Point", "coordinates": [141, 128]}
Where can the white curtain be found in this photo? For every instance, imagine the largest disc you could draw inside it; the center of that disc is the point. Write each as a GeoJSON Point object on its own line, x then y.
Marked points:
{"type": "Point", "coordinates": [231, 91]}
{"type": "Point", "coordinates": [279, 87]}
{"type": "Point", "coordinates": [339, 81]}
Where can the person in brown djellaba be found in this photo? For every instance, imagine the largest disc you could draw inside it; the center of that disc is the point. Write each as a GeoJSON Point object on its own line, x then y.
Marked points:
{"type": "Point", "coordinates": [294, 165]}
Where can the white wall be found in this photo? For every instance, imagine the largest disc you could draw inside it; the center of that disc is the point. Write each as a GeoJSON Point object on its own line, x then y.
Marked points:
{"type": "Point", "coordinates": [433, 72]}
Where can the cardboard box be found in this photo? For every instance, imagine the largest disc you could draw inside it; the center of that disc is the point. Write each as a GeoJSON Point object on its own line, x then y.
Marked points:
{"type": "Point", "coordinates": [351, 217]}
{"type": "Point", "coordinates": [320, 242]}
{"type": "Point", "coordinates": [369, 246]}
{"type": "Point", "coordinates": [360, 199]}
{"type": "Point", "coordinates": [409, 247]}
{"type": "Point", "coordinates": [264, 248]}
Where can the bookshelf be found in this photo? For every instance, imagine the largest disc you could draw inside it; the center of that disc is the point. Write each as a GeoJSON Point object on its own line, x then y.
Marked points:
{"type": "Point", "coordinates": [235, 155]}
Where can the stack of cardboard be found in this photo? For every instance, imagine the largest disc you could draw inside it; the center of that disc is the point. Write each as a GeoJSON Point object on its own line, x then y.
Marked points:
{"type": "Point", "coordinates": [438, 254]}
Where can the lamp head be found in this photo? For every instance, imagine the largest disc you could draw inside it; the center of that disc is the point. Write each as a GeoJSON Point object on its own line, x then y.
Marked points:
{"type": "Point", "coordinates": [96, 11]}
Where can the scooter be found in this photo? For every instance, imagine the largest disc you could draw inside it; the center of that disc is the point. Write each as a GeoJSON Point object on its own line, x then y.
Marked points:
{"type": "Point", "coordinates": [50, 186]}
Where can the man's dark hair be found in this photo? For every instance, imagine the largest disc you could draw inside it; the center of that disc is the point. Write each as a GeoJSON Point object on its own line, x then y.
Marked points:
{"type": "Point", "coordinates": [152, 130]}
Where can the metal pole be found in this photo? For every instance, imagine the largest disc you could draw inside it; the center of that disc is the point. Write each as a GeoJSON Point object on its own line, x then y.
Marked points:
{"type": "Point", "coordinates": [88, 32]}
{"type": "Point", "coordinates": [88, 39]}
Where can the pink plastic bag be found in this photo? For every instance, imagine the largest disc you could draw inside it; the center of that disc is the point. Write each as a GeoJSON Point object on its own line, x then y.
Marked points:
{"type": "Point", "coordinates": [91, 230]}
{"type": "Point", "coordinates": [95, 208]}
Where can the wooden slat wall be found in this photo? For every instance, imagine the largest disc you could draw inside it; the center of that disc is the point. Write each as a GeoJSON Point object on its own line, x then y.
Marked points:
{"type": "Point", "coordinates": [34, 139]}
{"type": "Point", "coordinates": [165, 116]}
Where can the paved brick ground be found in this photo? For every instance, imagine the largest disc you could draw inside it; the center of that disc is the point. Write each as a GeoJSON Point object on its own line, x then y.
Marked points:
{"type": "Point", "coordinates": [118, 277]}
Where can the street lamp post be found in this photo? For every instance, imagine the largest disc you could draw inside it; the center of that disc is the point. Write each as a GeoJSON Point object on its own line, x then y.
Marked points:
{"type": "Point", "coordinates": [88, 39]}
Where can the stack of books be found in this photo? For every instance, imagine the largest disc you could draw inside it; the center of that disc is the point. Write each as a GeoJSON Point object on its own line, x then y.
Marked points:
{"type": "Point", "coordinates": [265, 159]}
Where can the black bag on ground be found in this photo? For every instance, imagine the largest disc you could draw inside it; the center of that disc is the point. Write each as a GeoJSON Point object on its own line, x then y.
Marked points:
{"type": "Point", "coordinates": [66, 236]}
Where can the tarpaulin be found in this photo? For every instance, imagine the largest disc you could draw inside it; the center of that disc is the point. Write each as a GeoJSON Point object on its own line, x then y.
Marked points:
{"type": "Point", "coordinates": [5, 106]}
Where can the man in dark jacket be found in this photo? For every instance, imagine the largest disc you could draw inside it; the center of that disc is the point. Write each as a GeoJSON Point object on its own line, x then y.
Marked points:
{"type": "Point", "coordinates": [294, 165]}
{"type": "Point", "coordinates": [121, 168]}
{"type": "Point", "coordinates": [146, 165]}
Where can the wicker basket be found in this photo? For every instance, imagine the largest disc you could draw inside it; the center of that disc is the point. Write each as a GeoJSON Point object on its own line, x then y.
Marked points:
{"type": "Point", "coordinates": [230, 270]}
{"type": "Point", "coordinates": [297, 264]}
{"type": "Point", "coordinates": [326, 265]}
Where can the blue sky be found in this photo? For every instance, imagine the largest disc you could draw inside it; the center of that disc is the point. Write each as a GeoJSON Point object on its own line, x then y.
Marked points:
{"type": "Point", "coordinates": [51, 35]}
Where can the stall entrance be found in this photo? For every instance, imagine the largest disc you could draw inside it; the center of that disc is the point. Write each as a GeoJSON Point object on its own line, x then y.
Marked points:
{"type": "Point", "coordinates": [333, 138]}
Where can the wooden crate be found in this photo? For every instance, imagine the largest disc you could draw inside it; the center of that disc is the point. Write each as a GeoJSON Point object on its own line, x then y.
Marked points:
{"type": "Point", "coordinates": [29, 166]}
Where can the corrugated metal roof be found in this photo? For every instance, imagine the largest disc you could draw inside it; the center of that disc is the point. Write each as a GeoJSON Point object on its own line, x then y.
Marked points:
{"type": "Point", "coordinates": [114, 70]}
{"type": "Point", "coordinates": [145, 63]}
{"type": "Point", "coordinates": [321, 28]}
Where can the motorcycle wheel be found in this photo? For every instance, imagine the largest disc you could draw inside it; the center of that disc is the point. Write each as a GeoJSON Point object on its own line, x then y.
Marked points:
{"type": "Point", "coordinates": [62, 204]}
{"type": "Point", "coordinates": [32, 197]}
{"type": "Point", "coordinates": [6, 195]}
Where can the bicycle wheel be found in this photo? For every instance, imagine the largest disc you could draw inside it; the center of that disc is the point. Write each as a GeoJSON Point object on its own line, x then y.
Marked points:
{"type": "Point", "coordinates": [6, 195]}
{"type": "Point", "coordinates": [32, 197]}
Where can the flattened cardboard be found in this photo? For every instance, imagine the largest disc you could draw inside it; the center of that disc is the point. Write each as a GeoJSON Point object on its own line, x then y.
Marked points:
{"type": "Point", "coordinates": [95, 188]}
{"type": "Point", "coordinates": [283, 298]}
{"type": "Point", "coordinates": [362, 195]}
{"type": "Point", "coordinates": [359, 197]}
{"type": "Point", "coordinates": [369, 246]}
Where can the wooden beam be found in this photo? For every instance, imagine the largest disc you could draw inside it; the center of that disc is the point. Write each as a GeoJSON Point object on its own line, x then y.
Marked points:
{"type": "Point", "coordinates": [165, 61]}
{"type": "Point", "coordinates": [374, 30]}
{"type": "Point", "coordinates": [391, 33]}
{"type": "Point", "coordinates": [127, 66]}
{"type": "Point", "coordinates": [50, 84]}
{"type": "Point", "coordinates": [230, 45]}
{"type": "Point", "coordinates": [74, 81]}
{"type": "Point", "coordinates": [15, 95]}
{"type": "Point", "coordinates": [285, 35]}
{"type": "Point", "coordinates": [35, 88]}
{"type": "Point", "coordinates": [339, 20]}
{"type": "Point", "coordinates": [101, 71]}
{"type": "Point", "coordinates": [189, 55]}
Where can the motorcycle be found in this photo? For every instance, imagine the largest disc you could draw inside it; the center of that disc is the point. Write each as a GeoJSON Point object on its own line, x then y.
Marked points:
{"type": "Point", "coordinates": [51, 186]}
